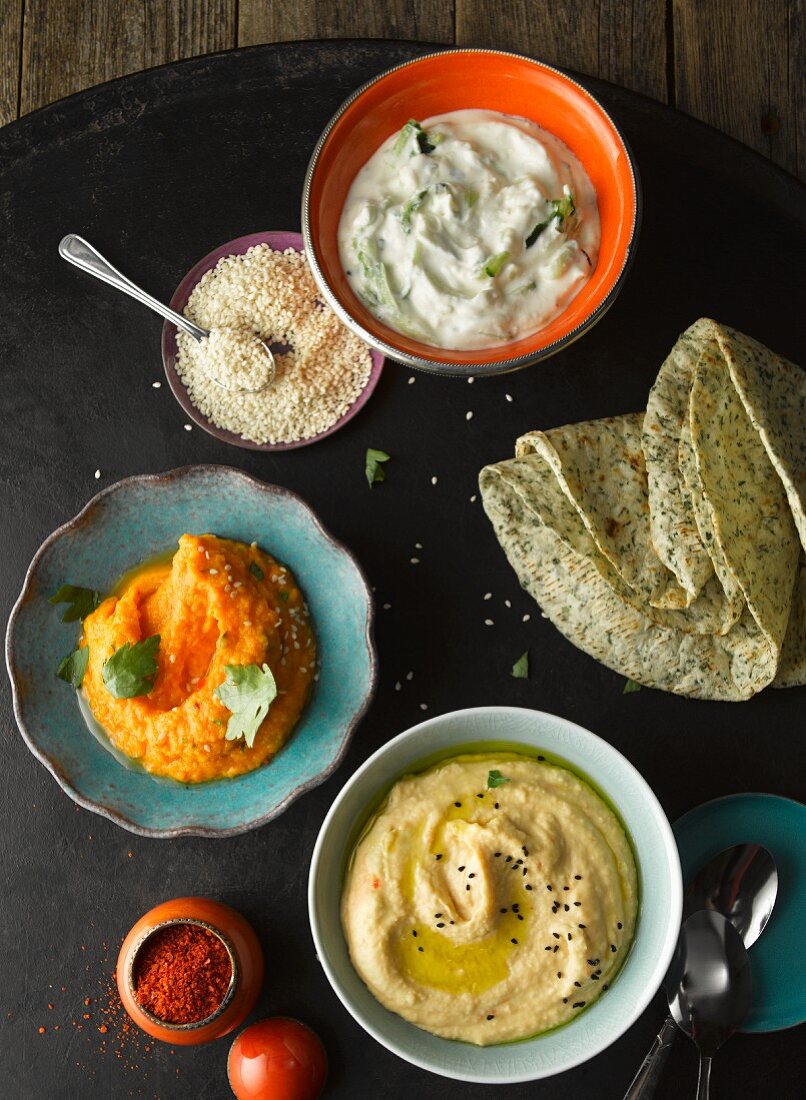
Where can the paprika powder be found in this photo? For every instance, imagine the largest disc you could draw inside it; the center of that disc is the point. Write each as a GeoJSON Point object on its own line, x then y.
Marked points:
{"type": "Point", "coordinates": [182, 973]}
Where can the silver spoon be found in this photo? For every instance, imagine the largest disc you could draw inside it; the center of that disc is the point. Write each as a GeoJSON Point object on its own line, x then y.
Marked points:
{"type": "Point", "coordinates": [742, 883]}
{"type": "Point", "coordinates": [77, 251]}
{"type": "Point", "coordinates": [708, 985]}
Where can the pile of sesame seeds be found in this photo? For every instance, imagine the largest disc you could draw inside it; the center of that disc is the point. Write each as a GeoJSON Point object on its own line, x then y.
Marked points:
{"type": "Point", "coordinates": [319, 376]}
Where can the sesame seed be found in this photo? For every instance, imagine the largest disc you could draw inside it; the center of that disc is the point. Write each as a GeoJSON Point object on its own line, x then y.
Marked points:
{"type": "Point", "coordinates": [526, 618]}
{"type": "Point", "coordinates": [97, 475]}
{"type": "Point", "coordinates": [415, 561]}
{"type": "Point", "coordinates": [187, 427]}
{"type": "Point", "coordinates": [508, 396]}
{"type": "Point", "coordinates": [156, 385]}
{"type": "Point", "coordinates": [507, 603]}
{"type": "Point", "coordinates": [488, 622]}
{"type": "Point", "coordinates": [471, 380]}
{"type": "Point", "coordinates": [387, 607]}
{"type": "Point", "coordinates": [468, 416]}
{"type": "Point", "coordinates": [488, 595]}
{"type": "Point", "coordinates": [473, 499]}
{"type": "Point", "coordinates": [412, 380]}
{"type": "Point", "coordinates": [398, 686]}
{"type": "Point", "coordinates": [423, 706]}
{"type": "Point", "coordinates": [409, 675]}
{"type": "Point", "coordinates": [433, 480]}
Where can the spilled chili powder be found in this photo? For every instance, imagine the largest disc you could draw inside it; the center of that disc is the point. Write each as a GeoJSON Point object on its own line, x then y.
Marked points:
{"type": "Point", "coordinates": [182, 974]}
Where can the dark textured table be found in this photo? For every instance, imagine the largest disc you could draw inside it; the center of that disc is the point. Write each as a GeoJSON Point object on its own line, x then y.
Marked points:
{"type": "Point", "coordinates": [156, 170]}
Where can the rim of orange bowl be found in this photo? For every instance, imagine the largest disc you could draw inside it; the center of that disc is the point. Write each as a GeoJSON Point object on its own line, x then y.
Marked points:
{"type": "Point", "coordinates": [499, 366]}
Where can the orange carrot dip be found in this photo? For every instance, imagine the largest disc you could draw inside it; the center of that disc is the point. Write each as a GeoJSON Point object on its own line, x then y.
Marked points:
{"type": "Point", "coordinates": [216, 603]}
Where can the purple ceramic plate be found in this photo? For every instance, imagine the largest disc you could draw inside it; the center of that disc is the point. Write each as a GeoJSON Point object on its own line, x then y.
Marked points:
{"type": "Point", "coordinates": [279, 240]}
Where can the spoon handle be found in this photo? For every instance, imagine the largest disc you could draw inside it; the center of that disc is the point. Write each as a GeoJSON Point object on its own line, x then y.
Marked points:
{"type": "Point", "coordinates": [646, 1079]}
{"type": "Point", "coordinates": [77, 251]}
{"type": "Point", "coordinates": [704, 1081]}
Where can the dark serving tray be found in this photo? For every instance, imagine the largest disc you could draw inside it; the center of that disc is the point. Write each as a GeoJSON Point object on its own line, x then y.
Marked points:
{"type": "Point", "coordinates": [156, 169]}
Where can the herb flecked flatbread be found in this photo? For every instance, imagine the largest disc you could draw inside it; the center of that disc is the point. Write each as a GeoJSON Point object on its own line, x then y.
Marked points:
{"type": "Point", "coordinates": [670, 545]}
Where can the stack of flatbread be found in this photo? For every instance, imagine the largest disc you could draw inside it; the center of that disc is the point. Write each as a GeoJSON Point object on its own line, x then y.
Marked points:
{"type": "Point", "coordinates": [670, 544]}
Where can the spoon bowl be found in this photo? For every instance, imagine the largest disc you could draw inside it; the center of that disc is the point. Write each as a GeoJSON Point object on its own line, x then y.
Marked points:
{"type": "Point", "coordinates": [742, 884]}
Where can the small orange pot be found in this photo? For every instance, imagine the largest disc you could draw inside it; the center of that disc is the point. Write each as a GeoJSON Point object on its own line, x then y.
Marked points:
{"type": "Point", "coordinates": [245, 955]}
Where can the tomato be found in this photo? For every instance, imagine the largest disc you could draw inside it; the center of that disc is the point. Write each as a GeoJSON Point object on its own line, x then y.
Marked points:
{"type": "Point", "coordinates": [277, 1059]}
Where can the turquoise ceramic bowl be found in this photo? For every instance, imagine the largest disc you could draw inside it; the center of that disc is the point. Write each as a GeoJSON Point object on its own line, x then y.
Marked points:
{"type": "Point", "coordinates": [660, 888]}
{"type": "Point", "coordinates": [128, 523]}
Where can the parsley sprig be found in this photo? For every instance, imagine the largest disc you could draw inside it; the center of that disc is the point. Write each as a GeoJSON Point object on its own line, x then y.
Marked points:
{"type": "Point", "coordinates": [247, 692]}
{"type": "Point", "coordinates": [130, 671]}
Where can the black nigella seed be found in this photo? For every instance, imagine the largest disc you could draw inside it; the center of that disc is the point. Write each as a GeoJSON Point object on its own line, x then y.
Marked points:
{"type": "Point", "coordinates": [414, 932]}
{"type": "Point", "coordinates": [541, 759]}
{"type": "Point", "coordinates": [566, 908]}
{"type": "Point", "coordinates": [479, 796]}
{"type": "Point", "coordinates": [497, 806]}
{"type": "Point", "coordinates": [452, 922]}
{"type": "Point", "coordinates": [504, 910]}
{"type": "Point", "coordinates": [591, 962]}
{"type": "Point", "coordinates": [461, 868]}
{"type": "Point", "coordinates": [515, 906]}
{"type": "Point", "coordinates": [528, 887]}
{"type": "Point", "coordinates": [419, 948]}
{"type": "Point", "coordinates": [441, 924]}
{"type": "Point", "coordinates": [472, 874]}
{"type": "Point", "coordinates": [604, 987]}
{"type": "Point", "coordinates": [556, 935]}
{"type": "Point", "coordinates": [578, 985]}
{"type": "Point", "coordinates": [524, 851]}
{"type": "Point", "coordinates": [508, 859]}
{"type": "Point", "coordinates": [437, 916]}
{"type": "Point", "coordinates": [491, 1017]}
{"type": "Point", "coordinates": [565, 1000]}
{"type": "Point", "coordinates": [578, 878]}
{"type": "Point", "coordinates": [548, 885]}
{"type": "Point", "coordinates": [566, 887]}
{"type": "Point", "coordinates": [569, 937]}
{"type": "Point", "coordinates": [580, 926]}
{"type": "Point", "coordinates": [518, 915]}
{"type": "Point", "coordinates": [457, 805]}
{"type": "Point", "coordinates": [467, 887]}
{"type": "Point", "coordinates": [577, 904]}
{"type": "Point", "coordinates": [513, 940]}
{"type": "Point", "coordinates": [559, 973]}
{"type": "Point", "coordinates": [594, 977]}
{"type": "Point", "coordinates": [497, 854]}
{"type": "Point", "coordinates": [556, 948]}
{"type": "Point", "coordinates": [518, 862]}
{"type": "Point", "coordinates": [619, 926]}
{"type": "Point", "coordinates": [613, 947]}
{"type": "Point", "coordinates": [524, 870]}
{"type": "Point", "coordinates": [547, 947]}
{"type": "Point", "coordinates": [579, 1004]}
{"type": "Point", "coordinates": [438, 856]}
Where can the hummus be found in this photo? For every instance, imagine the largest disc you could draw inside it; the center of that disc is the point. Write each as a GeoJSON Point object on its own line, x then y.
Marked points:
{"type": "Point", "coordinates": [490, 914]}
{"type": "Point", "coordinates": [215, 603]}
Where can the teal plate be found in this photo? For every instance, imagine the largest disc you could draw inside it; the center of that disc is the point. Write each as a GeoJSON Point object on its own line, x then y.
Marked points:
{"type": "Point", "coordinates": [779, 975]}
{"type": "Point", "coordinates": [129, 523]}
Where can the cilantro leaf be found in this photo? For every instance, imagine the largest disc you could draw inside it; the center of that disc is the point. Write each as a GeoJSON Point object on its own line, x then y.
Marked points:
{"type": "Point", "coordinates": [73, 667]}
{"type": "Point", "coordinates": [520, 670]}
{"type": "Point", "coordinates": [256, 571]}
{"type": "Point", "coordinates": [560, 209]}
{"type": "Point", "coordinates": [373, 468]}
{"type": "Point", "coordinates": [248, 691]}
{"type": "Point", "coordinates": [82, 601]}
{"type": "Point", "coordinates": [629, 687]}
{"type": "Point", "coordinates": [495, 779]}
{"type": "Point", "coordinates": [130, 671]}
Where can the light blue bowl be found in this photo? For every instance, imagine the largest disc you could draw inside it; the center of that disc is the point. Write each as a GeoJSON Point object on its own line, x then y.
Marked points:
{"type": "Point", "coordinates": [661, 894]}
{"type": "Point", "coordinates": [137, 519]}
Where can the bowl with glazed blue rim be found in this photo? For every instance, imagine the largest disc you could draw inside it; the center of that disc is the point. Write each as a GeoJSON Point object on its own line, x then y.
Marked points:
{"type": "Point", "coordinates": [127, 524]}
{"type": "Point", "coordinates": [483, 729]}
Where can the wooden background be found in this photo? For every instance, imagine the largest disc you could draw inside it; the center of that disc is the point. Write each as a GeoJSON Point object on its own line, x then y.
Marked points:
{"type": "Point", "coordinates": [736, 64]}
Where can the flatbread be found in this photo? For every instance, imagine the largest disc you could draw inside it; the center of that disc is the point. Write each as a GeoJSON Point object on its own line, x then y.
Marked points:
{"type": "Point", "coordinates": [668, 545]}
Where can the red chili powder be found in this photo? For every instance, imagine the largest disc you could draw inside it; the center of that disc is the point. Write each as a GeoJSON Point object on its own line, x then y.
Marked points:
{"type": "Point", "coordinates": [182, 974]}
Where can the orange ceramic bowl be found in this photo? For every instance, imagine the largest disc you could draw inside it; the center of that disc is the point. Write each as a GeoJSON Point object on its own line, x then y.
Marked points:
{"type": "Point", "coordinates": [450, 81]}
{"type": "Point", "coordinates": [246, 958]}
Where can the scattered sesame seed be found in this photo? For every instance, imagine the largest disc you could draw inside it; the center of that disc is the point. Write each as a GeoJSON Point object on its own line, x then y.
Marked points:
{"type": "Point", "coordinates": [468, 415]}
{"type": "Point", "coordinates": [488, 622]}
{"type": "Point", "coordinates": [526, 618]}
{"type": "Point", "coordinates": [412, 380]}
{"type": "Point", "coordinates": [433, 480]}
{"type": "Point", "coordinates": [156, 385]}
{"type": "Point", "coordinates": [418, 546]}
{"type": "Point", "coordinates": [398, 686]}
{"type": "Point", "coordinates": [415, 561]}
{"type": "Point", "coordinates": [508, 396]}
{"type": "Point", "coordinates": [387, 607]}
{"type": "Point", "coordinates": [423, 706]}
{"type": "Point", "coordinates": [409, 675]}
{"type": "Point", "coordinates": [97, 475]}
{"type": "Point", "coordinates": [187, 427]}
{"type": "Point", "coordinates": [507, 603]}
{"type": "Point", "coordinates": [473, 499]}
{"type": "Point", "coordinates": [471, 380]}
{"type": "Point", "coordinates": [488, 595]}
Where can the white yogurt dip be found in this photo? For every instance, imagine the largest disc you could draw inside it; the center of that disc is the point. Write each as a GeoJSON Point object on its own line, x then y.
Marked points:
{"type": "Point", "coordinates": [469, 230]}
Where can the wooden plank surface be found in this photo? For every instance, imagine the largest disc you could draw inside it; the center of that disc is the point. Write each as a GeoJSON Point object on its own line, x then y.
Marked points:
{"type": "Point", "coordinates": [736, 64]}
